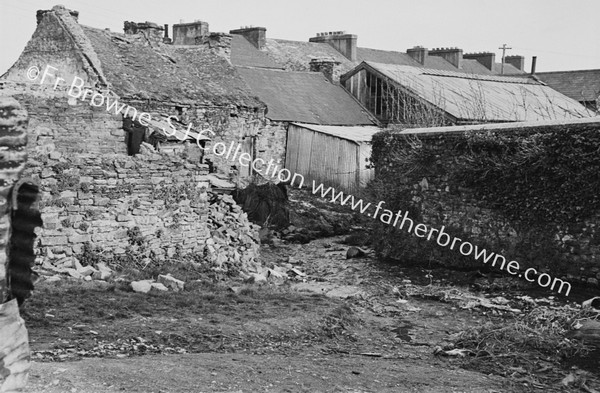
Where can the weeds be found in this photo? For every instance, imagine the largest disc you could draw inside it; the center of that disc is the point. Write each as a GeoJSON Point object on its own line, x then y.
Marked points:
{"type": "Point", "coordinates": [538, 336]}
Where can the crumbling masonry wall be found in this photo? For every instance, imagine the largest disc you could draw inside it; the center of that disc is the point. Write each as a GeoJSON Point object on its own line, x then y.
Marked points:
{"type": "Point", "coordinates": [543, 211]}
{"type": "Point", "coordinates": [148, 206]}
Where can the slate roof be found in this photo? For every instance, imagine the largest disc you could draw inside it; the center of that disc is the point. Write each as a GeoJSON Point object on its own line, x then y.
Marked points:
{"type": "Point", "coordinates": [175, 73]}
{"type": "Point", "coordinates": [244, 53]}
{"type": "Point", "coordinates": [305, 97]}
{"type": "Point", "coordinates": [508, 69]}
{"type": "Point", "coordinates": [581, 85]}
{"type": "Point", "coordinates": [357, 134]}
{"type": "Point", "coordinates": [485, 98]}
{"type": "Point", "coordinates": [385, 56]}
{"type": "Point", "coordinates": [296, 55]}
{"type": "Point", "coordinates": [472, 66]}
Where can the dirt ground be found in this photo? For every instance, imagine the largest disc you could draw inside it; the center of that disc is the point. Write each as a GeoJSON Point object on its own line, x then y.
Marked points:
{"type": "Point", "coordinates": [348, 326]}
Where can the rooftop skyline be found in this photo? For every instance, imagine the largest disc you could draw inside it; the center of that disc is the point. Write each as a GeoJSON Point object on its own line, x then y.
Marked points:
{"type": "Point", "coordinates": [562, 35]}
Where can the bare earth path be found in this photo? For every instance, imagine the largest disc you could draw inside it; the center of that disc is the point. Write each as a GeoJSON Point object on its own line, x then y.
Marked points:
{"type": "Point", "coordinates": [346, 328]}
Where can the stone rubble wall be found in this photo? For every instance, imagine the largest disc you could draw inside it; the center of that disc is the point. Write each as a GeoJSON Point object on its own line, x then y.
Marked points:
{"type": "Point", "coordinates": [148, 206]}
{"type": "Point", "coordinates": [568, 251]}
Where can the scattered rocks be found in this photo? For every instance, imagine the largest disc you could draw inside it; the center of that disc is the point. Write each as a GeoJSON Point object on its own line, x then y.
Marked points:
{"type": "Point", "coordinates": [355, 252]}
{"type": "Point", "coordinates": [143, 286]}
{"type": "Point", "coordinates": [158, 287]}
{"type": "Point", "coordinates": [171, 282]}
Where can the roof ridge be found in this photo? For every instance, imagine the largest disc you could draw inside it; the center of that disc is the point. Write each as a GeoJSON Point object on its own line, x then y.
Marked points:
{"type": "Point", "coordinates": [568, 71]}
{"type": "Point", "coordinates": [81, 40]}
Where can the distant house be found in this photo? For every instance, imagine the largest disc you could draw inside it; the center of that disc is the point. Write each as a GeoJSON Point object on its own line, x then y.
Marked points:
{"type": "Point", "coordinates": [426, 97]}
{"type": "Point", "coordinates": [582, 86]}
{"type": "Point", "coordinates": [333, 155]}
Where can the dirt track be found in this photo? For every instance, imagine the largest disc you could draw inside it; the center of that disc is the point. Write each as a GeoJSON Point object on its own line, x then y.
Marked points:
{"type": "Point", "coordinates": [210, 372]}
{"type": "Point", "coordinates": [346, 329]}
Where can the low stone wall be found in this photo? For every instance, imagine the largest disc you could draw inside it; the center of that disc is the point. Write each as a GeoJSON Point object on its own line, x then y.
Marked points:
{"type": "Point", "coordinates": [542, 212]}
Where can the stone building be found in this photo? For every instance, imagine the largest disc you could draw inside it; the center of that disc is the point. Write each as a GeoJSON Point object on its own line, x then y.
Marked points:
{"type": "Point", "coordinates": [82, 144]}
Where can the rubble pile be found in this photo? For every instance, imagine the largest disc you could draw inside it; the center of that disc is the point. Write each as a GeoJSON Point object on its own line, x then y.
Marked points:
{"type": "Point", "coordinates": [233, 245]}
{"type": "Point", "coordinates": [71, 267]}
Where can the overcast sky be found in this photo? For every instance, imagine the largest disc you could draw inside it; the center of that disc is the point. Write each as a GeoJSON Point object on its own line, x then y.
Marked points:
{"type": "Point", "coordinates": [562, 34]}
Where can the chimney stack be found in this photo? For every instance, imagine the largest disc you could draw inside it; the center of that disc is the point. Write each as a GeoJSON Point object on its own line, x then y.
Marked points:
{"type": "Point", "coordinates": [487, 59]}
{"type": "Point", "coordinates": [533, 61]}
{"type": "Point", "coordinates": [153, 32]}
{"type": "Point", "coordinates": [516, 61]}
{"type": "Point", "coordinates": [452, 55]}
{"type": "Point", "coordinates": [189, 33]}
{"type": "Point", "coordinates": [328, 66]}
{"type": "Point", "coordinates": [418, 53]}
{"type": "Point", "coordinates": [256, 35]}
{"type": "Point", "coordinates": [342, 42]}
{"type": "Point", "coordinates": [57, 8]}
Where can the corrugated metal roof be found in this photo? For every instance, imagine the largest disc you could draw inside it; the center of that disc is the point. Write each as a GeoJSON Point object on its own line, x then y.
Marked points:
{"type": "Point", "coordinates": [472, 97]}
{"type": "Point", "coordinates": [583, 85]}
{"type": "Point", "coordinates": [358, 134]}
{"type": "Point", "coordinates": [304, 96]}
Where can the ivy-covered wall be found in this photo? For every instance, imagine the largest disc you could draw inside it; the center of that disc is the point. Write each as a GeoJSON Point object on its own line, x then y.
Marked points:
{"type": "Point", "coordinates": [530, 193]}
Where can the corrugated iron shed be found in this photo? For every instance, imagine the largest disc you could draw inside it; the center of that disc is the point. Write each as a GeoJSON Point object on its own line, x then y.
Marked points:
{"type": "Point", "coordinates": [357, 134]}
{"type": "Point", "coordinates": [333, 155]}
{"type": "Point", "coordinates": [469, 97]}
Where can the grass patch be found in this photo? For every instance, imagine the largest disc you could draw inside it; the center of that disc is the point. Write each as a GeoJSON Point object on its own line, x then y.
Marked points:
{"type": "Point", "coordinates": [527, 345]}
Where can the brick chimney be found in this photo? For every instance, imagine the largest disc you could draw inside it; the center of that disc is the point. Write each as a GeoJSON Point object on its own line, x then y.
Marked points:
{"type": "Point", "coordinates": [342, 42]}
{"type": "Point", "coordinates": [418, 53]}
{"type": "Point", "coordinates": [487, 59]}
{"type": "Point", "coordinates": [452, 55]}
{"type": "Point", "coordinates": [153, 32]}
{"type": "Point", "coordinates": [189, 33]}
{"type": "Point", "coordinates": [328, 66]}
{"type": "Point", "coordinates": [256, 35]}
{"type": "Point", "coordinates": [517, 61]}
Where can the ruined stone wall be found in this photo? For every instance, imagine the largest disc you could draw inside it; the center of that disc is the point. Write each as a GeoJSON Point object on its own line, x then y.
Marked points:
{"type": "Point", "coordinates": [249, 128]}
{"type": "Point", "coordinates": [65, 124]}
{"type": "Point", "coordinates": [544, 212]}
{"type": "Point", "coordinates": [100, 199]}
{"type": "Point", "coordinates": [146, 206]}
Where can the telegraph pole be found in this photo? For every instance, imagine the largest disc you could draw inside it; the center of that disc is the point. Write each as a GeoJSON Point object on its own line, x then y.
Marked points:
{"type": "Point", "coordinates": [504, 48]}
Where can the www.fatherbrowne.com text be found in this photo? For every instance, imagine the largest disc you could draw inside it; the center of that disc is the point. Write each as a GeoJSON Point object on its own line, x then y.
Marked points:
{"type": "Point", "coordinates": [401, 221]}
